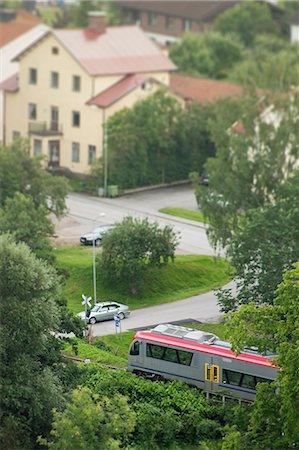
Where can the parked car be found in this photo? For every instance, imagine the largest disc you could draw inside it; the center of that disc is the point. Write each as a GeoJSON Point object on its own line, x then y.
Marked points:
{"type": "Point", "coordinates": [105, 311]}
{"type": "Point", "coordinates": [204, 179]}
{"type": "Point", "coordinates": [96, 235]}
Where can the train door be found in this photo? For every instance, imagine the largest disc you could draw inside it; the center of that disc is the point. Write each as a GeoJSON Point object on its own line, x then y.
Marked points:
{"type": "Point", "coordinates": [212, 375]}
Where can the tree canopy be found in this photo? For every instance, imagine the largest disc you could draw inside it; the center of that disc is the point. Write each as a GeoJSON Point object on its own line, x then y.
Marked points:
{"type": "Point", "coordinates": [133, 246]}
{"type": "Point", "coordinates": [275, 417]}
{"type": "Point", "coordinates": [28, 352]}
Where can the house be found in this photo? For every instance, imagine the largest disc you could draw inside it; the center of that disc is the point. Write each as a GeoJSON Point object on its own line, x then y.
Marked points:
{"type": "Point", "coordinates": [202, 90]}
{"type": "Point", "coordinates": [294, 28]}
{"type": "Point", "coordinates": [166, 20]}
{"type": "Point", "coordinates": [21, 30]}
{"type": "Point", "coordinates": [71, 81]}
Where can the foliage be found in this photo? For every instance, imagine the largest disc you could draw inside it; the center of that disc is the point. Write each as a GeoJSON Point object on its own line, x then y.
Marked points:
{"type": "Point", "coordinates": [133, 246]}
{"type": "Point", "coordinates": [166, 413]}
{"type": "Point", "coordinates": [28, 289]}
{"type": "Point", "coordinates": [246, 20]}
{"type": "Point", "coordinates": [27, 223]}
{"type": "Point", "coordinates": [189, 275]}
{"type": "Point", "coordinates": [264, 247]}
{"type": "Point", "coordinates": [210, 54]}
{"type": "Point", "coordinates": [21, 173]}
{"type": "Point", "coordinates": [90, 422]}
{"type": "Point", "coordinates": [252, 160]}
{"type": "Point", "coordinates": [275, 414]}
{"type": "Point", "coordinates": [156, 141]}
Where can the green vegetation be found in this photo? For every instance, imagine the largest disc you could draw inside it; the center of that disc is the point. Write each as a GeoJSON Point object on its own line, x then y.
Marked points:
{"type": "Point", "coordinates": [50, 15]}
{"type": "Point", "coordinates": [187, 276]}
{"type": "Point", "coordinates": [197, 216]}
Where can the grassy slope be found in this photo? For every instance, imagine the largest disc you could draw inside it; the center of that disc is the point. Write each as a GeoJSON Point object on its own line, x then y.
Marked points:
{"type": "Point", "coordinates": [197, 216]}
{"type": "Point", "coordinates": [189, 275]}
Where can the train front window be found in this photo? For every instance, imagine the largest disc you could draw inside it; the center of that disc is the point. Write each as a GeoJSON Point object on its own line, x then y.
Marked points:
{"type": "Point", "coordinates": [134, 350]}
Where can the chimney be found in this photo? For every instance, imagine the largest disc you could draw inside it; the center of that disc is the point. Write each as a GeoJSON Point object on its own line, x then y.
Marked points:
{"type": "Point", "coordinates": [96, 21]}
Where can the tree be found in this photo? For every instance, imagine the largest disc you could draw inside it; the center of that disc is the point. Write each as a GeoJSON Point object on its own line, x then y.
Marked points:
{"type": "Point", "coordinates": [264, 247]}
{"type": "Point", "coordinates": [275, 417]}
{"type": "Point", "coordinates": [133, 246]}
{"type": "Point", "coordinates": [28, 350]}
{"type": "Point", "coordinates": [253, 158]}
{"type": "Point", "coordinates": [27, 223]}
{"type": "Point", "coordinates": [90, 423]}
{"type": "Point", "coordinates": [210, 54]}
{"type": "Point", "coordinates": [21, 173]}
{"type": "Point", "coordinates": [247, 20]}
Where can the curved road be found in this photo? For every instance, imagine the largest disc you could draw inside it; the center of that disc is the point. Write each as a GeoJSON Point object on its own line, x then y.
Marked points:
{"type": "Point", "coordinates": [86, 212]}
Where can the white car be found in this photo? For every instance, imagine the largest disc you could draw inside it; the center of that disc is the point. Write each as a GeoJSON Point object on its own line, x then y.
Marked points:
{"type": "Point", "coordinates": [96, 235]}
{"type": "Point", "coordinates": [105, 311]}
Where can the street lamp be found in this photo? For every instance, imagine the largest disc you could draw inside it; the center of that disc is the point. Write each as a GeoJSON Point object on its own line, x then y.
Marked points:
{"type": "Point", "coordinates": [94, 259]}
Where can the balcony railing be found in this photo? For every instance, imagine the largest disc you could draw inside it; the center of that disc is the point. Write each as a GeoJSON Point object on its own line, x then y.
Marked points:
{"type": "Point", "coordinates": [45, 129]}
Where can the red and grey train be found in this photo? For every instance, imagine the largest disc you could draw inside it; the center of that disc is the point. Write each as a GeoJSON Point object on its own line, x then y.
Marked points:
{"type": "Point", "coordinates": [200, 359]}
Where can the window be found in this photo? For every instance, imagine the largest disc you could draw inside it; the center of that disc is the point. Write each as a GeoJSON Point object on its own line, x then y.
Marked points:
{"type": "Point", "coordinates": [187, 24]}
{"type": "Point", "coordinates": [32, 76]}
{"type": "Point", "coordinates": [76, 119]}
{"type": "Point", "coordinates": [37, 147]}
{"type": "Point", "coordinates": [170, 23]}
{"type": "Point", "coordinates": [76, 83]}
{"type": "Point", "coordinates": [75, 152]}
{"type": "Point", "coordinates": [91, 154]}
{"type": "Point", "coordinates": [242, 379]}
{"type": "Point", "coordinates": [134, 350]}
{"type": "Point", "coordinates": [32, 111]}
{"type": "Point", "coordinates": [15, 135]}
{"type": "Point", "coordinates": [152, 18]}
{"type": "Point", "coordinates": [55, 50]}
{"type": "Point", "coordinates": [169, 354]}
{"type": "Point", "coordinates": [54, 80]}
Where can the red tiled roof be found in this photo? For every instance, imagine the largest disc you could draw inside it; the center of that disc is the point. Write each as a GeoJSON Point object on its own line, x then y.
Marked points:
{"type": "Point", "coordinates": [11, 84]}
{"type": "Point", "coordinates": [119, 50]}
{"type": "Point", "coordinates": [202, 90]}
{"type": "Point", "coordinates": [23, 22]}
{"type": "Point", "coordinates": [118, 90]}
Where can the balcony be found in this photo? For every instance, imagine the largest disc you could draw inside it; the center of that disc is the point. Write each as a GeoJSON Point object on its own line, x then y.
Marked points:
{"type": "Point", "coordinates": [45, 129]}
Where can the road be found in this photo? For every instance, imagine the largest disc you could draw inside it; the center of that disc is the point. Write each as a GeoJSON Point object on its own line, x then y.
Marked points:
{"type": "Point", "coordinates": [86, 212]}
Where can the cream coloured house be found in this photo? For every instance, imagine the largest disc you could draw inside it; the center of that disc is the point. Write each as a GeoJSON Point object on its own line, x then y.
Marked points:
{"type": "Point", "coordinates": [71, 81]}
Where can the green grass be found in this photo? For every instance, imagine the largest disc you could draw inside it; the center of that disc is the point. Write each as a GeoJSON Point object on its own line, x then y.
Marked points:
{"type": "Point", "coordinates": [188, 275]}
{"type": "Point", "coordinates": [197, 216]}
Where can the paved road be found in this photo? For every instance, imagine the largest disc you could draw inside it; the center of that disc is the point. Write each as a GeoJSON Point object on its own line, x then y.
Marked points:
{"type": "Point", "coordinates": [201, 308]}
{"type": "Point", "coordinates": [86, 212]}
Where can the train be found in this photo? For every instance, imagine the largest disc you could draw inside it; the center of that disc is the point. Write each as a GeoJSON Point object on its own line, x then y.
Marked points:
{"type": "Point", "coordinates": [200, 359]}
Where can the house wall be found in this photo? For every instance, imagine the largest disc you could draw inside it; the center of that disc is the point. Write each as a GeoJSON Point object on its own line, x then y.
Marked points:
{"type": "Point", "coordinates": [8, 67]}
{"type": "Point", "coordinates": [90, 132]}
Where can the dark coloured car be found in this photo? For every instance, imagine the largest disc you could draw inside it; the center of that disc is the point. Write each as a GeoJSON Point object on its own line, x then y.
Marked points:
{"type": "Point", "coordinates": [96, 235]}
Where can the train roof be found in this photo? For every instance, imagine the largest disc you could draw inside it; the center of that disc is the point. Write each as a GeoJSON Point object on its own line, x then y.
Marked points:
{"type": "Point", "coordinates": [211, 346]}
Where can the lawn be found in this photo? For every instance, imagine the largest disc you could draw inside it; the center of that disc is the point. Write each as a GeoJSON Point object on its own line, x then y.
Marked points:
{"type": "Point", "coordinates": [188, 275]}
{"type": "Point", "coordinates": [197, 216]}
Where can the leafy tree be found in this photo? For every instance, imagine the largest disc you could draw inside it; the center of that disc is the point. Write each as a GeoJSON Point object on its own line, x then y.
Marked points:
{"type": "Point", "coordinates": [28, 223]}
{"type": "Point", "coordinates": [132, 247]}
{"type": "Point", "coordinates": [247, 20]}
{"type": "Point", "coordinates": [28, 350]}
{"type": "Point", "coordinates": [252, 160]}
{"type": "Point", "coordinates": [264, 247]}
{"type": "Point", "coordinates": [90, 422]}
{"type": "Point", "coordinates": [210, 54]}
{"type": "Point", "coordinates": [275, 418]}
{"type": "Point", "coordinates": [21, 173]}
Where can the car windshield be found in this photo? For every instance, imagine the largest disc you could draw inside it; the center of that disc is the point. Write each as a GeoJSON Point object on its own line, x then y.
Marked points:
{"type": "Point", "coordinates": [95, 308]}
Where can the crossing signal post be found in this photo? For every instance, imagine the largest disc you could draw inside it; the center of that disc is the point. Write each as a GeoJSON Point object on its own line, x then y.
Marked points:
{"type": "Point", "coordinates": [117, 323]}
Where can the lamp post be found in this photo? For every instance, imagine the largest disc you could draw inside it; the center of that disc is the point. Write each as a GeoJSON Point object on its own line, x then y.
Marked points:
{"type": "Point", "coordinates": [94, 259]}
